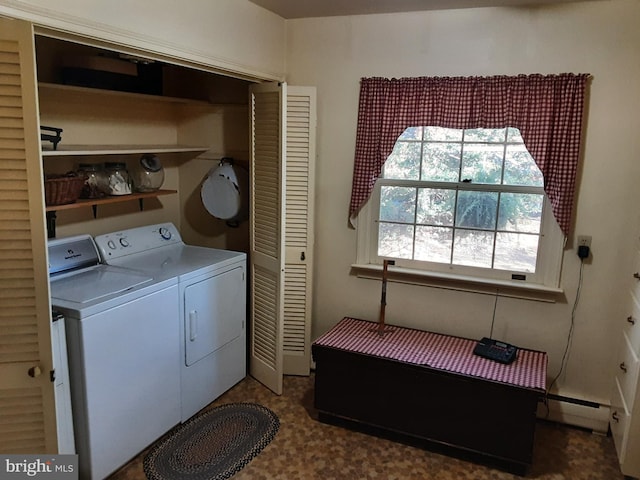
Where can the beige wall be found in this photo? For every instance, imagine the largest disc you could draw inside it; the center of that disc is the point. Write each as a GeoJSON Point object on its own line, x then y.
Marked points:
{"type": "Point", "coordinates": [601, 38]}
{"type": "Point", "coordinates": [232, 35]}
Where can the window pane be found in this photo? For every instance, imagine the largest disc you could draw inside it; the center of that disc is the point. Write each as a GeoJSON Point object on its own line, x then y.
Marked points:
{"type": "Point", "coordinates": [398, 204]}
{"type": "Point", "coordinates": [520, 168]}
{"type": "Point", "coordinates": [473, 248]}
{"type": "Point", "coordinates": [520, 212]}
{"type": "Point", "coordinates": [441, 162]}
{"type": "Point", "coordinates": [491, 135]}
{"type": "Point", "coordinates": [477, 209]}
{"type": "Point", "coordinates": [433, 215]}
{"type": "Point", "coordinates": [513, 135]}
{"type": "Point", "coordinates": [433, 244]}
{"type": "Point", "coordinates": [482, 163]}
{"type": "Point", "coordinates": [404, 161]}
{"type": "Point", "coordinates": [436, 206]}
{"type": "Point", "coordinates": [440, 134]}
{"type": "Point", "coordinates": [395, 240]}
{"type": "Point", "coordinates": [411, 133]}
{"type": "Point", "coordinates": [516, 251]}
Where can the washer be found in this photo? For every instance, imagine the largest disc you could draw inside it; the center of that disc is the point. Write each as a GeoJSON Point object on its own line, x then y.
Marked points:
{"type": "Point", "coordinates": [62, 390]}
{"type": "Point", "coordinates": [121, 332]}
{"type": "Point", "coordinates": [212, 305]}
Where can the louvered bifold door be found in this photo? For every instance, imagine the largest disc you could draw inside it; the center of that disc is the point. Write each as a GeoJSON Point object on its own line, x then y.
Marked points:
{"type": "Point", "coordinates": [266, 255]}
{"type": "Point", "coordinates": [299, 173]}
{"type": "Point", "coordinates": [27, 412]}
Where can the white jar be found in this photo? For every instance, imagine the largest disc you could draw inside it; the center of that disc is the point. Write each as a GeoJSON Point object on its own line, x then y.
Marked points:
{"type": "Point", "coordinates": [119, 180]}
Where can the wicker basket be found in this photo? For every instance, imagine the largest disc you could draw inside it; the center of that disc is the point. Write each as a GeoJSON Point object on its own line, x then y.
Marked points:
{"type": "Point", "coordinates": [60, 190]}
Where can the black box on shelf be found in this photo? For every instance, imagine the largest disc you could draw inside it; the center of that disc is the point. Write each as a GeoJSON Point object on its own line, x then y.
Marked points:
{"type": "Point", "coordinates": [147, 78]}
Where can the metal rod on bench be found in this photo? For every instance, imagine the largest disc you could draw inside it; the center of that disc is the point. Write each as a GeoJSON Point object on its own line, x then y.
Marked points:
{"type": "Point", "coordinates": [383, 299]}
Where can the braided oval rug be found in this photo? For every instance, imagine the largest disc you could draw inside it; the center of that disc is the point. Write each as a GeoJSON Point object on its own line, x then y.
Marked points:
{"type": "Point", "coordinates": [214, 444]}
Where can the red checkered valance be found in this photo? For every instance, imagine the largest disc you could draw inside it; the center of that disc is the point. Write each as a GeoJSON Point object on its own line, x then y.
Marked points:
{"type": "Point", "coordinates": [547, 109]}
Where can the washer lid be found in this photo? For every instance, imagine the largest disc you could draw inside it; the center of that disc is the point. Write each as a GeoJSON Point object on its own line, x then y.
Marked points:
{"type": "Point", "coordinates": [95, 283]}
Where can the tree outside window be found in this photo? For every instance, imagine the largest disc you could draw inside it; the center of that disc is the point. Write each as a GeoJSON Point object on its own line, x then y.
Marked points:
{"type": "Point", "coordinates": [470, 198]}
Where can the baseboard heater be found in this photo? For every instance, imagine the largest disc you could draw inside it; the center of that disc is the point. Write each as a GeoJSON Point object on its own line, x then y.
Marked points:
{"type": "Point", "coordinates": [576, 412]}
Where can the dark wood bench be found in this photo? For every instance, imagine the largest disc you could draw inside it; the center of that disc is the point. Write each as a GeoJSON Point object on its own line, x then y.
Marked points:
{"type": "Point", "coordinates": [431, 388]}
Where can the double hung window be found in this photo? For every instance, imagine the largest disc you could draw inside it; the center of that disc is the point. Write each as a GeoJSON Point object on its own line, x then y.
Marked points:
{"type": "Point", "coordinates": [464, 202]}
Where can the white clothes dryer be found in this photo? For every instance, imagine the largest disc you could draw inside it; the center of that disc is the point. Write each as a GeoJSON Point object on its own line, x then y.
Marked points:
{"type": "Point", "coordinates": [212, 305]}
{"type": "Point", "coordinates": [121, 331]}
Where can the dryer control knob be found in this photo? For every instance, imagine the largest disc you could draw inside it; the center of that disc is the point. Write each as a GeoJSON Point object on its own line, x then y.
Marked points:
{"type": "Point", "coordinates": [124, 242]}
{"type": "Point", "coordinates": [165, 233]}
{"type": "Point", "coordinates": [111, 244]}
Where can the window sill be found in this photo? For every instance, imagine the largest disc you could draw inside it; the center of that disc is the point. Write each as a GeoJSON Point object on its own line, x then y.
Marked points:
{"type": "Point", "coordinates": [515, 289]}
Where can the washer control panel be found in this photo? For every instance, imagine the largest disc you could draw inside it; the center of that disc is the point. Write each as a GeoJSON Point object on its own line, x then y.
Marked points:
{"type": "Point", "coordinates": [137, 240]}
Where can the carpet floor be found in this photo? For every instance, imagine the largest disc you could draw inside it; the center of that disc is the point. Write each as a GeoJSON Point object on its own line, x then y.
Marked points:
{"type": "Point", "coordinates": [307, 449]}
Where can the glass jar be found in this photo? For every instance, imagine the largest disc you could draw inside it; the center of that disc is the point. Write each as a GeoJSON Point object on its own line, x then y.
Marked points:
{"type": "Point", "coordinates": [119, 180]}
{"type": "Point", "coordinates": [96, 180]}
{"type": "Point", "coordinates": [148, 175]}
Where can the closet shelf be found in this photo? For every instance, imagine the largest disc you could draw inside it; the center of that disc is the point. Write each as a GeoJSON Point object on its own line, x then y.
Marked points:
{"type": "Point", "coordinates": [56, 87]}
{"type": "Point", "coordinates": [93, 203]}
{"type": "Point", "coordinates": [113, 199]}
{"type": "Point", "coordinates": [83, 150]}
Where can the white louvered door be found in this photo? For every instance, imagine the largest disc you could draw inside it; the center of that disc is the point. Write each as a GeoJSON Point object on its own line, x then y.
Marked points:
{"type": "Point", "coordinates": [299, 194]}
{"type": "Point", "coordinates": [266, 243]}
{"type": "Point", "coordinates": [283, 123]}
{"type": "Point", "coordinates": [27, 411]}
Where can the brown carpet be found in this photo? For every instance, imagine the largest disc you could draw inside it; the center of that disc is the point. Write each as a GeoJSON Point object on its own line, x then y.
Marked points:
{"type": "Point", "coordinates": [307, 449]}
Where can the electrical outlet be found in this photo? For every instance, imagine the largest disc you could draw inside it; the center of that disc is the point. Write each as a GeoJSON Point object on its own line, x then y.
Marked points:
{"type": "Point", "coordinates": [584, 241]}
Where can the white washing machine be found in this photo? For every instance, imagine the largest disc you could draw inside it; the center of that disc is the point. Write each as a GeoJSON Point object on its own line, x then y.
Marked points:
{"type": "Point", "coordinates": [212, 305]}
{"type": "Point", "coordinates": [62, 390]}
{"type": "Point", "coordinates": [121, 331]}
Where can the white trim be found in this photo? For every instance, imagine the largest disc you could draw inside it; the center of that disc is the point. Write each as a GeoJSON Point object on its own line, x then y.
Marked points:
{"type": "Point", "coordinates": [449, 281]}
{"type": "Point", "coordinates": [549, 261]}
{"type": "Point", "coordinates": [52, 23]}
{"type": "Point", "coordinates": [593, 418]}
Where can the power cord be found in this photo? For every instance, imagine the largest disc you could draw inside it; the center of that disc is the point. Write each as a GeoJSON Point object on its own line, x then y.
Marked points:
{"type": "Point", "coordinates": [573, 321]}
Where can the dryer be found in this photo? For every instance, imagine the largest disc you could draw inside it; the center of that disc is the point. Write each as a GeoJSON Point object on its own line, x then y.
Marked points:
{"type": "Point", "coordinates": [121, 331]}
{"type": "Point", "coordinates": [211, 299]}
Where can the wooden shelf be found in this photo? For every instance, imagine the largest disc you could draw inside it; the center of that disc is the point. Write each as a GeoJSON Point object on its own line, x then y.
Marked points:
{"type": "Point", "coordinates": [84, 150]}
{"type": "Point", "coordinates": [56, 87]}
{"type": "Point", "coordinates": [53, 90]}
{"type": "Point", "coordinates": [107, 200]}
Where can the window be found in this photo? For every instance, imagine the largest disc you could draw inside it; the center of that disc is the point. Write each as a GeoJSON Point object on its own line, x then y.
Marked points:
{"type": "Point", "coordinates": [464, 202]}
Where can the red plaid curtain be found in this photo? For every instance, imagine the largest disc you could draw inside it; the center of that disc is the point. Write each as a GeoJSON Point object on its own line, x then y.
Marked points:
{"type": "Point", "coordinates": [547, 109]}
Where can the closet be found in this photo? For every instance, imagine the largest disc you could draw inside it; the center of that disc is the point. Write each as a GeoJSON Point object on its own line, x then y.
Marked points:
{"type": "Point", "coordinates": [190, 119]}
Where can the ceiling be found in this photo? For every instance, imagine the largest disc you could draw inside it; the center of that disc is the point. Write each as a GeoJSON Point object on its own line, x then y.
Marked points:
{"type": "Point", "coordinates": [329, 8]}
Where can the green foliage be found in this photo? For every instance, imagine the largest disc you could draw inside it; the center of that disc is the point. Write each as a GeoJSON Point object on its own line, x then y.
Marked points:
{"type": "Point", "coordinates": [447, 167]}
